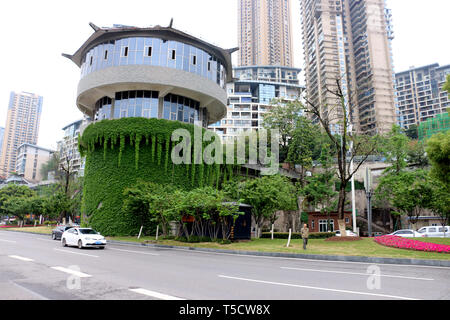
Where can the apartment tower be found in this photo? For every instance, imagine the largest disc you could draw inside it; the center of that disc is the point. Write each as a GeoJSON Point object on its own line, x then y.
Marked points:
{"type": "Point", "coordinates": [350, 41]}
{"type": "Point", "coordinates": [264, 32]}
{"type": "Point", "coordinates": [22, 126]}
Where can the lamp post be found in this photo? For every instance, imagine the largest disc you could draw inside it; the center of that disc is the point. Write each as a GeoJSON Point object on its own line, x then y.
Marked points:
{"type": "Point", "coordinates": [369, 194]}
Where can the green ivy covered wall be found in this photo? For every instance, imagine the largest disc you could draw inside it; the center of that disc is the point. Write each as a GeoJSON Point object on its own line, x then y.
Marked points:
{"type": "Point", "coordinates": [121, 152]}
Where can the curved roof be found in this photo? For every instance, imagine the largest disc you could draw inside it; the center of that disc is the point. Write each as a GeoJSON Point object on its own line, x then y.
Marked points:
{"type": "Point", "coordinates": [102, 35]}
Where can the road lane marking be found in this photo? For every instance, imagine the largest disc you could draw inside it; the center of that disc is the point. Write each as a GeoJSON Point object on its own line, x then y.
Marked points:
{"type": "Point", "coordinates": [148, 253]}
{"type": "Point", "coordinates": [79, 253]}
{"type": "Point", "coordinates": [355, 273]}
{"type": "Point", "coordinates": [21, 258]}
{"type": "Point", "coordinates": [317, 288]}
{"type": "Point", "coordinates": [10, 241]}
{"type": "Point", "coordinates": [73, 272]}
{"type": "Point", "coordinates": [155, 294]}
{"type": "Point", "coordinates": [44, 239]}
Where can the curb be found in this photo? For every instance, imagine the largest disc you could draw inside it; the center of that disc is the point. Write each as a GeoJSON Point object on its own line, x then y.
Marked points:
{"type": "Point", "coordinates": [369, 260]}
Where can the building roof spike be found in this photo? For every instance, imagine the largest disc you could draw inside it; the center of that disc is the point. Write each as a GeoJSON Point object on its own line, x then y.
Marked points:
{"type": "Point", "coordinates": [93, 26]}
{"type": "Point", "coordinates": [171, 23]}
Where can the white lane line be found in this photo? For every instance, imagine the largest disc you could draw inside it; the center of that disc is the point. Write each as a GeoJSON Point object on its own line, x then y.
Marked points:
{"type": "Point", "coordinates": [155, 294]}
{"type": "Point", "coordinates": [21, 258]}
{"type": "Point", "coordinates": [148, 253]}
{"type": "Point", "coordinates": [10, 241]}
{"type": "Point", "coordinates": [44, 239]}
{"type": "Point", "coordinates": [317, 288]}
{"type": "Point", "coordinates": [79, 253]}
{"type": "Point", "coordinates": [355, 273]}
{"type": "Point", "coordinates": [73, 272]}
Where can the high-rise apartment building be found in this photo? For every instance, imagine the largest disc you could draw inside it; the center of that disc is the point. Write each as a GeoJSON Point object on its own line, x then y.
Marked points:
{"type": "Point", "coordinates": [2, 133]}
{"type": "Point", "coordinates": [30, 159]}
{"type": "Point", "coordinates": [250, 97]}
{"type": "Point", "coordinates": [350, 41]}
{"type": "Point", "coordinates": [264, 32]}
{"type": "Point", "coordinates": [22, 126]}
{"type": "Point", "coordinates": [420, 95]}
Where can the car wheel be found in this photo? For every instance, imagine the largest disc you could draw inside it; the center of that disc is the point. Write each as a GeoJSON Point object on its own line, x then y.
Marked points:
{"type": "Point", "coordinates": [80, 244]}
{"type": "Point", "coordinates": [53, 236]}
{"type": "Point", "coordinates": [101, 248]}
{"type": "Point", "coordinates": [64, 244]}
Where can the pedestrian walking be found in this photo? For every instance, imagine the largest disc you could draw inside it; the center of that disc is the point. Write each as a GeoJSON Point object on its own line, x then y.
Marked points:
{"type": "Point", "coordinates": [305, 235]}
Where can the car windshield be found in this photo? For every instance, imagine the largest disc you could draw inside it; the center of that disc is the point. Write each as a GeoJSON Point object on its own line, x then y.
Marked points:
{"type": "Point", "coordinates": [422, 230]}
{"type": "Point", "coordinates": [88, 231]}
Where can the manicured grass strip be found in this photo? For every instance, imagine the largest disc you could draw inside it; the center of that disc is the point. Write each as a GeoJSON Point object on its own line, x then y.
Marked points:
{"type": "Point", "coordinates": [40, 230]}
{"type": "Point", "coordinates": [366, 247]}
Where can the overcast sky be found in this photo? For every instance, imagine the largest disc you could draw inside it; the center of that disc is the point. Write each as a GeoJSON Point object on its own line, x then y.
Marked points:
{"type": "Point", "coordinates": [34, 33]}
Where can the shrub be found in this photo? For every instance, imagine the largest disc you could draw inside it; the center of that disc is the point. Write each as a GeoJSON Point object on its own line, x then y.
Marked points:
{"type": "Point", "coordinates": [297, 235]}
{"type": "Point", "coordinates": [50, 223]}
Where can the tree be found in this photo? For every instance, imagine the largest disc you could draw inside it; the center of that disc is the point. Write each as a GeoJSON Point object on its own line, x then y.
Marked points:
{"type": "Point", "coordinates": [11, 199]}
{"type": "Point", "coordinates": [395, 149]}
{"type": "Point", "coordinates": [347, 144]}
{"type": "Point", "coordinates": [447, 84]}
{"type": "Point", "coordinates": [416, 154]}
{"type": "Point", "coordinates": [438, 150]}
{"type": "Point", "coordinates": [408, 192]}
{"type": "Point", "coordinates": [284, 117]}
{"type": "Point", "coordinates": [267, 195]}
{"type": "Point", "coordinates": [412, 132]}
{"type": "Point", "coordinates": [440, 201]}
{"type": "Point", "coordinates": [319, 191]}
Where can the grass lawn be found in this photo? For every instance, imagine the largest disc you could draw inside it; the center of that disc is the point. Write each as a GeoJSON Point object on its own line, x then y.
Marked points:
{"type": "Point", "coordinates": [365, 247]}
{"type": "Point", "coordinates": [41, 230]}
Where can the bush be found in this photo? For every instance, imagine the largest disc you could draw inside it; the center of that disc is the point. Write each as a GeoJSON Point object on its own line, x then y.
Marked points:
{"type": "Point", "coordinates": [297, 235]}
{"type": "Point", "coordinates": [193, 239]}
{"type": "Point", "coordinates": [50, 223]}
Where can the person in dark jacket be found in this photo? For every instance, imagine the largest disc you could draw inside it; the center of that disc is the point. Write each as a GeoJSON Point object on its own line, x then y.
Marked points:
{"type": "Point", "coordinates": [305, 235]}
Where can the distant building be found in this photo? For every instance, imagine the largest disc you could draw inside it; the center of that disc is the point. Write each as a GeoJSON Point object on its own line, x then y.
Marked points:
{"type": "Point", "coordinates": [264, 32]}
{"type": "Point", "coordinates": [350, 41]}
{"type": "Point", "coordinates": [30, 159]}
{"type": "Point", "coordinates": [22, 126]}
{"type": "Point", "coordinates": [440, 123]}
{"type": "Point", "coordinates": [68, 147]}
{"type": "Point", "coordinates": [420, 95]}
{"type": "Point", "coordinates": [250, 97]}
{"type": "Point", "coordinates": [2, 133]}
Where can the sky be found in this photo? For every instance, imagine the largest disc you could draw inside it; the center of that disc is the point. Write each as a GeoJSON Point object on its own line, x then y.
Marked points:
{"type": "Point", "coordinates": [35, 33]}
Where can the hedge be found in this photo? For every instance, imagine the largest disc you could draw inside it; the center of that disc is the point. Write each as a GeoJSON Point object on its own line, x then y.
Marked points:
{"type": "Point", "coordinates": [297, 235]}
{"type": "Point", "coordinates": [121, 152]}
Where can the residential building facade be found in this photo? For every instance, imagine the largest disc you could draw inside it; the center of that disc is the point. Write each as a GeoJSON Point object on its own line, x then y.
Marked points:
{"type": "Point", "coordinates": [349, 42]}
{"type": "Point", "coordinates": [264, 32]}
{"type": "Point", "coordinates": [30, 159]}
{"type": "Point", "coordinates": [69, 155]}
{"type": "Point", "coordinates": [22, 126]}
{"type": "Point", "coordinates": [420, 95]}
{"type": "Point", "coordinates": [250, 97]}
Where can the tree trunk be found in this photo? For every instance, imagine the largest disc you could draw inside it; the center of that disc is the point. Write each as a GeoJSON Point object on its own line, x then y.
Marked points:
{"type": "Point", "coordinates": [341, 203]}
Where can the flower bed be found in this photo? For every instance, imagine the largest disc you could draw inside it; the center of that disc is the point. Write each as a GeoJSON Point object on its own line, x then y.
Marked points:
{"type": "Point", "coordinates": [405, 243]}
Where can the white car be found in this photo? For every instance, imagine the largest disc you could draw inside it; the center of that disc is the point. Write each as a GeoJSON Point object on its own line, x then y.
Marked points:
{"type": "Point", "coordinates": [83, 237]}
{"type": "Point", "coordinates": [348, 232]}
{"type": "Point", "coordinates": [406, 233]}
{"type": "Point", "coordinates": [435, 232]}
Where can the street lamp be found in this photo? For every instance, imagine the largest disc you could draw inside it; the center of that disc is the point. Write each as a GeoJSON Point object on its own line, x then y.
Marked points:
{"type": "Point", "coordinates": [369, 194]}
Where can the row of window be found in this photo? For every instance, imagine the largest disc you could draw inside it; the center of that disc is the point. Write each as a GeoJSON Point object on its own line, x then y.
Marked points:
{"type": "Point", "coordinates": [156, 52]}
{"type": "Point", "coordinates": [145, 104]}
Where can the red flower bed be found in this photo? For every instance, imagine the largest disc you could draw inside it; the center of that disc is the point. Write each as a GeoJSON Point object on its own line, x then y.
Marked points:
{"type": "Point", "coordinates": [405, 243]}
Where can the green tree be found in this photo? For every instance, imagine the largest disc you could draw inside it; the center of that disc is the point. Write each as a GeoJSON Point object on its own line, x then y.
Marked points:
{"type": "Point", "coordinates": [412, 132]}
{"type": "Point", "coordinates": [267, 195]}
{"type": "Point", "coordinates": [440, 200]}
{"type": "Point", "coordinates": [395, 149]}
{"type": "Point", "coordinates": [447, 84]}
{"type": "Point", "coordinates": [284, 117]}
{"type": "Point", "coordinates": [416, 154]}
{"type": "Point", "coordinates": [438, 150]}
{"type": "Point", "coordinates": [319, 192]}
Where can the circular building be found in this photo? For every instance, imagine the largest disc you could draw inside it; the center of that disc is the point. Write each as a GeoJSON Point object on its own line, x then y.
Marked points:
{"type": "Point", "coordinates": [157, 72]}
{"type": "Point", "coordinates": [138, 85]}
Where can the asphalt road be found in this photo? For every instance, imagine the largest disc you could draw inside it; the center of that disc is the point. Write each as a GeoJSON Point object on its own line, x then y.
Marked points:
{"type": "Point", "coordinates": [36, 267]}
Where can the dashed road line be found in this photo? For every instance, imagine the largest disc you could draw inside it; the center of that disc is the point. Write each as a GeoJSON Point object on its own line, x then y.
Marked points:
{"type": "Point", "coordinates": [356, 273]}
{"type": "Point", "coordinates": [318, 288]}
{"type": "Point", "coordinates": [73, 272]}
{"type": "Point", "coordinates": [155, 294]}
{"type": "Point", "coordinates": [21, 258]}
{"type": "Point", "coordinates": [10, 241]}
{"type": "Point", "coordinates": [147, 253]}
{"type": "Point", "coordinates": [78, 253]}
